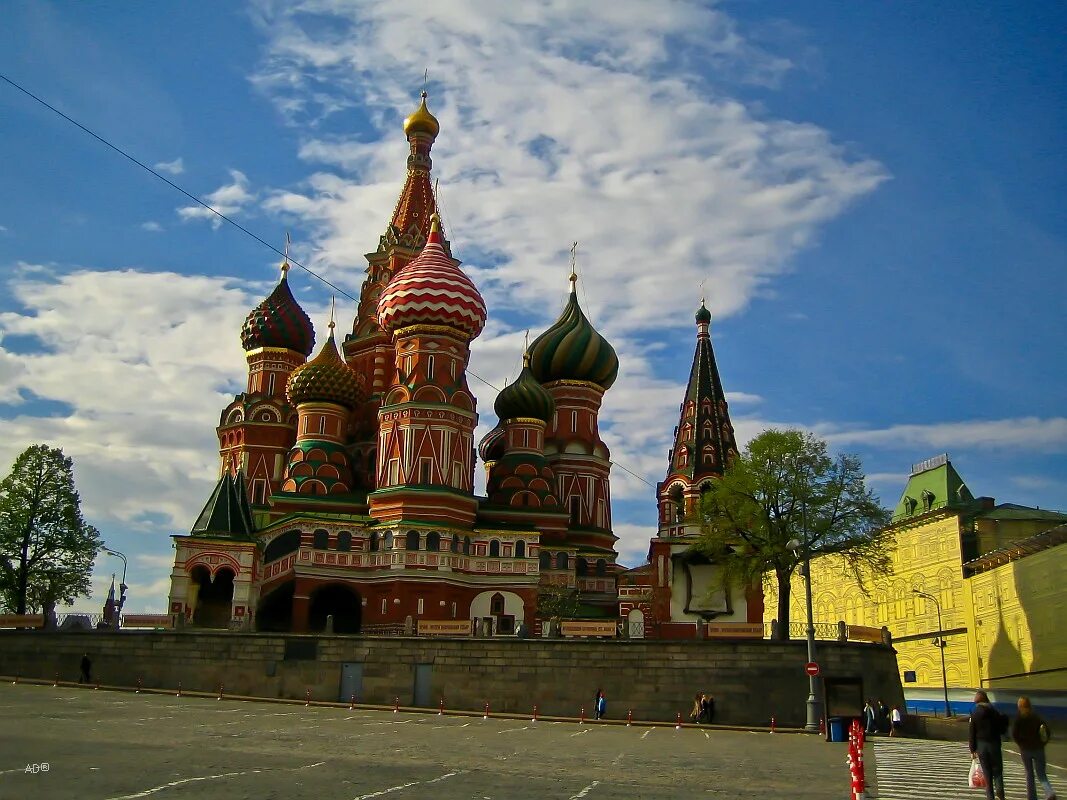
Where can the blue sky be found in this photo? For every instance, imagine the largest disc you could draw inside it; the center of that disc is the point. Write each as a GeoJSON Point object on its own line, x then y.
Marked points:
{"type": "Point", "coordinates": [873, 201]}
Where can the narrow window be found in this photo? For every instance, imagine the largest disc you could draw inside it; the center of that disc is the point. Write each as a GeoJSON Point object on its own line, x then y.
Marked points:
{"type": "Point", "coordinates": [576, 509]}
{"type": "Point", "coordinates": [452, 366]}
{"type": "Point", "coordinates": [424, 470]}
{"type": "Point", "coordinates": [321, 540]}
{"type": "Point", "coordinates": [383, 606]}
{"type": "Point", "coordinates": [374, 542]}
{"type": "Point", "coordinates": [322, 424]}
{"type": "Point", "coordinates": [433, 541]}
{"type": "Point", "coordinates": [525, 438]}
{"type": "Point", "coordinates": [420, 606]}
{"type": "Point", "coordinates": [520, 549]}
{"type": "Point", "coordinates": [413, 540]}
{"type": "Point", "coordinates": [544, 561]}
{"type": "Point", "coordinates": [561, 561]}
{"type": "Point", "coordinates": [466, 545]}
{"type": "Point", "coordinates": [574, 422]}
{"type": "Point", "coordinates": [494, 549]}
{"type": "Point", "coordinates": [429, 368]}
{"type": "Point", "coordinates": [270, 383]}
{"type": "Point", "coordinates": [344, 541]}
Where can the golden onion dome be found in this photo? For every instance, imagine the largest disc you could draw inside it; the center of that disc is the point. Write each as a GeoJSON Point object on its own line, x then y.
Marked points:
{"type": "Point", "coordinates": [422, 121]}
{"type": "Point", "coordinates": [325, 379]}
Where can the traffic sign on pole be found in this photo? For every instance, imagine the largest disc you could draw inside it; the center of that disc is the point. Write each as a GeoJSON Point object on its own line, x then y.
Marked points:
{"type": "Point", "coordinates": [812, 669]}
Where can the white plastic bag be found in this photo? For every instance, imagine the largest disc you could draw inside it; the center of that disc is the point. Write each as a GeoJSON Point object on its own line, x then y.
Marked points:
{"type": "Point", "coordinates": [976, 778]}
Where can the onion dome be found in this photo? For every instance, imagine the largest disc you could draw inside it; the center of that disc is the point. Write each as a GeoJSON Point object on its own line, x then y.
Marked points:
{"type": "Point", "coordinates": [573, 350]}
{"type": "Point", "coordinates": [703, 315]}
{"type": "Point", "coordinates": [494, 444]}
{"type": "Point", "coordinates": [432, 290]}
{"type": "Point", "coordinates": [326, 379]}
{"type": "Point", "coordinates": [279, 321]}
{"type": "Point", "coordinates": [525, 397]}
{"type": "Point", "coordinates": [422, 121]}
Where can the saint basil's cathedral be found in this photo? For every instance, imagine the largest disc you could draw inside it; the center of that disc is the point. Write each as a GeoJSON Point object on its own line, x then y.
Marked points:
{"type": "Point", "coordinates": [347, 480]}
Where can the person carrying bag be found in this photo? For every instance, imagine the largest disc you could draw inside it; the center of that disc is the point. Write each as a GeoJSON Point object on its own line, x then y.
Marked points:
{"type": "Point", "coordinates": [987, 726]}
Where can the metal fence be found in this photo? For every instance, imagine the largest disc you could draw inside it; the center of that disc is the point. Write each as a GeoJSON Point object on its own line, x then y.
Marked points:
{"type": "Point", "coordinates": [827, 631]}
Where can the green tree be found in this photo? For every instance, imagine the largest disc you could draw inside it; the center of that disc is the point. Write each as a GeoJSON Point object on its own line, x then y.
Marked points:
{"type": "Point", "coordinates": [556, 603]}
{"type": "Point", "coordinates": [46, 548]}
{"type": "Point", "coordinates": [786, 486]}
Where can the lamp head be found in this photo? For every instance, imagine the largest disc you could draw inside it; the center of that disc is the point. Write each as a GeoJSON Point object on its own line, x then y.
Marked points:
{"type": "Point", "coordinates": [793, 544]}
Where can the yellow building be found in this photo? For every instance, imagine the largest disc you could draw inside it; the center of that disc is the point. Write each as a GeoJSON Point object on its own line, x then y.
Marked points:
{"type": "Point", "coordinates": [995, 575]}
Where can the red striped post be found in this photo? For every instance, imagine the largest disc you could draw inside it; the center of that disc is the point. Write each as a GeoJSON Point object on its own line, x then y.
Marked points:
{"type": "Point", "coordinates": [534, 719]}
{"type": "Point", "coordinates": [396, 705]}
{"type": "Point", "coordinates": [352, 702]}
{"type": "Point", "coordinates": [581, 719]}
{"type": "Point", "coordinates": [441, 708]}
{"type": "Point", "coordinates": [629, 718]}
{"type": "Point", "coordinates": [773, 725]}
{"type": "Point", "coordinates": [486, 711]}
{"type": "Point", "coordinates": [179, 692]}
{"type": "Point", "coordinates": [138, 690]}
{"type": "Point", "coordinates": [307, 698]}
{"type": "Point", "coordinates": [220, 692]}
{"type": "Point", "coordinates": [678, 722]}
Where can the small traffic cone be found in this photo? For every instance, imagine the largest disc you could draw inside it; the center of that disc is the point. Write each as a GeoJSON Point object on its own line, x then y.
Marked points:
{"type": "Point", "coordinates": [822, 726]}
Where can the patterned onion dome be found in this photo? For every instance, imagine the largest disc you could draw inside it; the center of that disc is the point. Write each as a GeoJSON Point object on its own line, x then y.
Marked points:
{"type": "Point", "coordinates": [432, 290]}
{"type": "Point", "coordinates": [494, 444]}
{"type": "Point", "coordinates": [326, 379]}
{"type": "Point", "coordinates": [573, 350]}
{"type": "Point", "coordinates": [703, 315]}
{"type": "Point", "coordinates": [422, 121]}
{"type": "Point", "coordinates": [525, 397]}
{"type": "Point", "coordinates": [279, 321]}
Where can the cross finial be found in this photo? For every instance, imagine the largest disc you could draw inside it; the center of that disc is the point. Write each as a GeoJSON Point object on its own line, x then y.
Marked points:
{"type": "Point", "coordinates": [527, 347]}
{"type": "Point", "coordinates": [425, 79]}
{"type": "Point", "coordinates": [702, 293]}
{"type": "Point", "coordinates": [285, 259]}
{"type": "Point", "coordinates": [333, 305]}
{"type": "Point", "coordinates": [574, 257]}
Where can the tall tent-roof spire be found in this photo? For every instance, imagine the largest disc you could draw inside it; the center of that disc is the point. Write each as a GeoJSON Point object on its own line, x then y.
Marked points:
{"type": "Point", "coordinates": [704, 442]}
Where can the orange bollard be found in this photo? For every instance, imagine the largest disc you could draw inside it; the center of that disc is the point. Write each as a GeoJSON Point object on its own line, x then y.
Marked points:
{"type": "Point", "coordinates": [822, 726]}
{"type": "Point", "coordinates": [396, 705]}
{"type": "Point", "coordinates": [581, 719]}
{"type": "Point", "coordinates": [773, 725]}
{"type": "Point", "coordinates": [352, 703]}
{"type": "Point", "coordinates": [629, 718]}
{"type": "Point", "coordinates": [678, 722]}
{"type": "Point", "coordinates": [307, 698]}
{"type": "Point", "coordinates": [486, 711]}
{"type": "Point", "coordinates": [534, 719]}
{"type": "Point", "coordinates": [220, 692]}
{"type": "Point", "coordinates": [441, 708]}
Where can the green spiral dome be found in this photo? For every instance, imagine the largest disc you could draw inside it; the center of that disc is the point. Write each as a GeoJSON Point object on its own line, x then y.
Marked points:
{"type": "Point", "coordinates": [572, 350]}
{"type": "Point", "coordinates": [325, 379]}
{"type": "Point", "coordinates": [524, 397]}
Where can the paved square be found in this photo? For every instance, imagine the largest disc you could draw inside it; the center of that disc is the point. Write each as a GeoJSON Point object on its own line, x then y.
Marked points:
{"type": "Point", "coordinates": [102, 745]}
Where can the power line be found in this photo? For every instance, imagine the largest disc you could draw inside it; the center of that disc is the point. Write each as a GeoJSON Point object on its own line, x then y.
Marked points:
{"type": "Point", "coordinates": [172, 184]}
{"type": "Point", "coordinates": [232, 222]}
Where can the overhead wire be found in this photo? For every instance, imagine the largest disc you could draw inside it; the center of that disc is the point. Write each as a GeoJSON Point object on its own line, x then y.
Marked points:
{"type": "Point", "coordinates": [234, 223]}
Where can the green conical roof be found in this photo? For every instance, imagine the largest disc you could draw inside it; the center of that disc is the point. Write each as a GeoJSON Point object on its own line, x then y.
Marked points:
{"type": "Point", "coordinates": [227, 512]}
{"type": "Point", "coordinates": [326, 378]}
{"type": "Point", "coordinates": [933, 484]}
{"type": "Point", "coordinates": [525, 397]}
{"type": "Point", "coordinates": [573, 350]}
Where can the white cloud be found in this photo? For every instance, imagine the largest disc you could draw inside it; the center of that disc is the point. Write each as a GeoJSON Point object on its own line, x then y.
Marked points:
{"type": "Point", "coordinates": [1031, 434]}
{"type": "Point", "coordinates": [228, 199]}
{"type": "Point", "coordinates": [151, 226]}
{"type": "Point", "coordinates": [175, 167]}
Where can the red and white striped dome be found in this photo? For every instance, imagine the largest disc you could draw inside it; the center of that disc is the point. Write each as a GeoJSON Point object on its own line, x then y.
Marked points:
{"type": "Point", "coordinates": [432, 290]}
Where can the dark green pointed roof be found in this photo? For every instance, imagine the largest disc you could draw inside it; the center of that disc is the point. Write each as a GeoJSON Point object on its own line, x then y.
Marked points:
{"type": "Point", "coordinates": [227, 512]}
{"type": "Point", "coordinates": [279, 321]}
{"type": "Point", "coordinates": [573, 350]}
{"type": "Point", "coordinates": [933, 484]}
{"type": "Point", "coordinates": [525, 397]}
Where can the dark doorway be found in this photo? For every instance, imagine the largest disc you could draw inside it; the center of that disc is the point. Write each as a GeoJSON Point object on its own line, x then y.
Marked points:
{"type": "Point", "coordinates": [340, 601]}
{"type": "Point", "coordinates": [351, 682]}
{"type": "Point", "coordinates": [423, 679]}
{"type": "Point", "coordinates": [214, 598]}
{"type": "Point", "coordinates": [275, 610]}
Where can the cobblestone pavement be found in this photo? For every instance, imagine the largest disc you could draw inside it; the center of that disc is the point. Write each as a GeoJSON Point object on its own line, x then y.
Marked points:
{"type": "Point", "coordinates": [104, 745]}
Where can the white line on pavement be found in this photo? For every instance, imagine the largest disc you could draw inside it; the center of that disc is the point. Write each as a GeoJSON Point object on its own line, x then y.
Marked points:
{"type": "Point", "coordinates": [579, 733]}
{"type": "Point", "coordinates": [155, 789]}
{"type": "Point", "coordinates": [585, 791]}
{"type": "Point", "coordinates": [646, 733]}
{"type": "Point", "coordinates": [392, 789]}
{"type": "Point", "coordinates": [511, 730]}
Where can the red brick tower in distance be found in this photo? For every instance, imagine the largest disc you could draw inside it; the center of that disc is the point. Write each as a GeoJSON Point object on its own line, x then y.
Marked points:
{"type": "Point", "coordinates": [369, 350]}
{"type": "Point", "coordinates": [425, 466]}
{"type": "Point", "coordinates": [257, 429]}
{"type": "Point", "coordinates": [577, 366]}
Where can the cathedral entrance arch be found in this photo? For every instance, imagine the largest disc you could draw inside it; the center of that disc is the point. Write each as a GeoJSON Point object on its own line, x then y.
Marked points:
{"type": "Point", "coordinates": [342, 602]}
{"type": "Point", "coordinates": [214, 596]}
{"type": "Point", "coordinates": [275, 610]}
{"type": "Point", "coordinates": [500, 611]}
{"type": "Point", "coordinates": [635, 622]}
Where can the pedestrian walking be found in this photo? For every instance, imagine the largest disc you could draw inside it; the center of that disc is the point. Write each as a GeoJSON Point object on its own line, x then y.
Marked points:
{"type": "Point", "coordinates": [1031, 733]}
{"type": "Point", "coordinates": [86, 669]}
{"type": "Point", "coordinates": [870, 720]}
{"type": "Point", "coordinates": [601, 704]}
{"type": "Point", "coordinates": [883, 717]}
{"type": "Point", "coordinates": [987, 726]}
{"type": "Point", "coordinates": [896, 722]}
{"type": "Point", "coordinates": [698, 708]}
{"type": "Point", "coordinates": [709, 708]}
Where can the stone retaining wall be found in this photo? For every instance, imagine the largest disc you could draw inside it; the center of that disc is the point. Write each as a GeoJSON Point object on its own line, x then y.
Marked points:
{"type": "Point", "coordinates": [751, 680]}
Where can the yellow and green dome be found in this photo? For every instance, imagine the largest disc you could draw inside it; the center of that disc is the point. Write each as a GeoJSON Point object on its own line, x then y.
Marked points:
{"type": "Point", "coordinates": [325, 379]}
{"type": "Point", "coordinates": [573, 350]}
{"type": "Point", "coordinates": [524, 397]}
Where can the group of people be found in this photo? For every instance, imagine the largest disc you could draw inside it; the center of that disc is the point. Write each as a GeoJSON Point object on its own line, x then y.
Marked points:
{"type": "Point", "coordinates": [703, 712]}
{"type": "Point", "coordinates": [1029, 732]}
{"type": "Point", "coordinates": [877, 718]}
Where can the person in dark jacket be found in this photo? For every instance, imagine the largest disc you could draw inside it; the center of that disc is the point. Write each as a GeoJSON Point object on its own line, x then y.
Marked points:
{"type": "Point", "coordinates": [707, 708]}
{"type": "Point", "coordinates": [86, 670]}
{"type": "Point", "coordinates": [1032, 733]}
{"type": "Point", "coordinates": [986, 729]}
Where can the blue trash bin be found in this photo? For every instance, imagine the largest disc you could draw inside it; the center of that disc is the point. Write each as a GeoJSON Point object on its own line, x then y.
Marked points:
{"type": "Point", "coordinates": [837, 727]}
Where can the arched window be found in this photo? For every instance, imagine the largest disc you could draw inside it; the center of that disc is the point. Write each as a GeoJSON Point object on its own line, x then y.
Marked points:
{"type": "Point", "coordinates": [433, 541]}
{"type": "Point", "coordinates": [601, 567]}
{"type": "Point", "coordinates": [466, 545]}
{"type": "Point", "coordinates": [413, 540]}
{"type": "Point", "coordinates": [454, 545]}
{"type": "Point", "coordinates": [344, 541]}
{"type": "Point", "coordinates": [387, 541]}
{"type": "Point", "coordinates": [429, 368]}
{"type": "Point", "coordinates": [581, 567]}
{"type": "Point", "coordinates": [561, 561]}
{"type": "Point", "coordinates": [494, 549]}
{"type": "Point", "coordinates": [282, 545]}
{"type": "Point", "coordinates": [374, 542]}
{"type": "Point", "coordinates": [545, 560]}
{"type": "Point", "coordinates": [321, 540]}
{"type": "Point", "coordinates": [520, 549]}
{"type": "Point", "coordinates": [496, 604]}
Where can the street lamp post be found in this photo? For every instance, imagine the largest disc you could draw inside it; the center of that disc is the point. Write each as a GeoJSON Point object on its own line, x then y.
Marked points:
{"type": "Point", "coordinates": [122, 584]}
{"type": "Point", "coordinates": [940, 642]}
{"type": "Point", "coordinates": [814, 704]}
